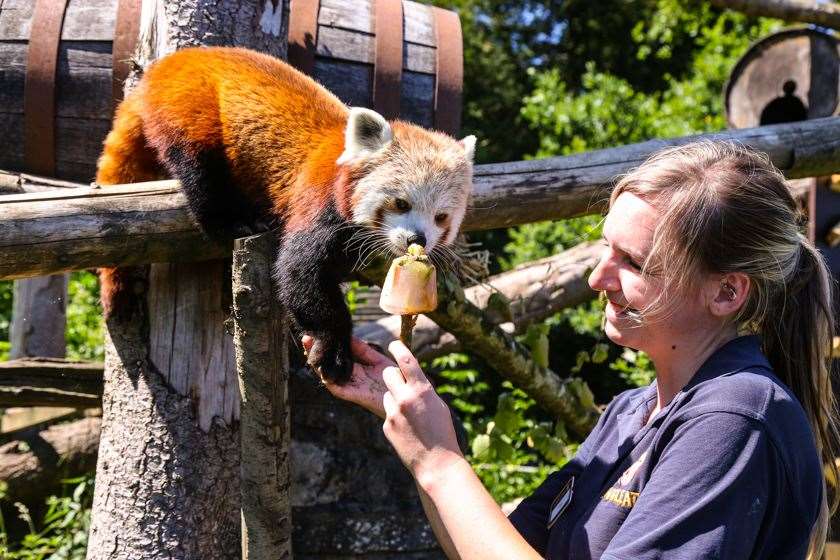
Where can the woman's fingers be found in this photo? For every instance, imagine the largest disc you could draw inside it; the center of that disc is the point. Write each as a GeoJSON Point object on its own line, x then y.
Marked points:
{"type": "Point", "coordinates": [394, 380]}
{"type": "Point", "coordinates": [407, 362]}
{"type": "Point", "coordinates": [389, 404]}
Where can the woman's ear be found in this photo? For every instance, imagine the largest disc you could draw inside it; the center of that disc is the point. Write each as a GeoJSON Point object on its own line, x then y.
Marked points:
{"type": "Point", "coordinates": [729, 293]}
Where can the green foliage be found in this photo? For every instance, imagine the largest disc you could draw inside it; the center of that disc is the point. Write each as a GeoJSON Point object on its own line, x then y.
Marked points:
{"type": "Point", "coordinates": [513, 447]}
{"type": "Point", "coordinates": [62, 531]}
{"type": "Point", "coordinates": [85, 332]}
{"type": "Point", "coordinates": [634, 367]}
{"type": "Point", "coordinates": [543, 239]}
{"type": "Point", "coordinates": [607, 110]}
{"type": "Point", "coordinates": [6, 289]}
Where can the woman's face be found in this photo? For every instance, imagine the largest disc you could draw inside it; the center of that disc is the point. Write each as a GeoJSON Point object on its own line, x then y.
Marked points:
{"type": "Point", "coordinates": [628, 232]}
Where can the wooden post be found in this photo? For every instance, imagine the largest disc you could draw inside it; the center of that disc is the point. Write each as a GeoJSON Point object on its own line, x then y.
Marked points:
{"type": "Point", "coordinates": [262, 364]}
{"type": "Point", "coordinates": [39, 317]}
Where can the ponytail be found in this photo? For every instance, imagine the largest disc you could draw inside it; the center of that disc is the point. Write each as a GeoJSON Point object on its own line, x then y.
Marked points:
{"type": "Point", "coordinates": [798, 344]}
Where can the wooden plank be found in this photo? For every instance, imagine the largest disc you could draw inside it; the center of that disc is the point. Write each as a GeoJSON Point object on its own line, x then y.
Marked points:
{"type": "Point", "coordinates": [89, 20]}
{"type": "Point", "coordinates": [417, 93]}
{"type": "Point", "coordinates": [351, 82]}
{"type": "Point", "coordinates": [83, 68]}
{"type": "Point", "coordinates": [110, 226]}
{"type": "Point", "coordinates": [84, 20]}
{"type": "Point", "coordinates": [187, 339]}
{"type": "Point", "coordinates": [341, 44]}
{"type": "Point", "coordinates": [79, 143]}
{"type": "Point", "coordinates": [13, 63]}
{"type": "Point", "coordinates": [83, 82]}
{"type": "Point", "coordinates": [16, 19]}
{"type": "Point", "coordinates": [357, 15]}
{"type": "Point", "coordinates": [563, 187]}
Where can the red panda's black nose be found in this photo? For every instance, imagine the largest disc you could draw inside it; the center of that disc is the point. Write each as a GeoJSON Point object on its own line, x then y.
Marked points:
{"type": "Point", "coordinates": [418, 238]}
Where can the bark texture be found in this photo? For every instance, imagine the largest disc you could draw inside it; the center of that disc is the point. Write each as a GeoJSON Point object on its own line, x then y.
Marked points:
{"type": "Point", "coordinates": [165, 488]}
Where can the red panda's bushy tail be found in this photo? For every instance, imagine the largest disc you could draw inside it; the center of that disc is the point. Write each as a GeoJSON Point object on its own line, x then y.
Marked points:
{"type": "Point", "coordinates": [126, 158]}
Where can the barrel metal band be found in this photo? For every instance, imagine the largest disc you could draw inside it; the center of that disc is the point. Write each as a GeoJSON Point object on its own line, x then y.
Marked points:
{"type": "Point", "coordinates": [303, 34]}
{"type": "Point", "coordinates": [388, 61]}
{"type": "Point", "coordinates": [39, 87]}
{"type": "Point", "coordinates": [450, 71]}
{"type": "Point", "coordinates": [126, 32]}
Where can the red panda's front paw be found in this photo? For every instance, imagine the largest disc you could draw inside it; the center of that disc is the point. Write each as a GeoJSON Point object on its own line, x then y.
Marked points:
{"type": "Point", "coordinates": [332, 361]}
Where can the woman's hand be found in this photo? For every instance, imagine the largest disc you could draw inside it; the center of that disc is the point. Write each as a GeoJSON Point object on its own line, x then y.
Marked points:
{"type": "Point", "coordinates": [366, 387]}
{"type": "Point", "coordinates": [418, 423]}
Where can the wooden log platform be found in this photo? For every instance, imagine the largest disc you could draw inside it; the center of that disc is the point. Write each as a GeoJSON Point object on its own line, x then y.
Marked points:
{"type": "Point", "coordinates": [50, 382]}
{"type": "Point", "coordinates": [49, 232]}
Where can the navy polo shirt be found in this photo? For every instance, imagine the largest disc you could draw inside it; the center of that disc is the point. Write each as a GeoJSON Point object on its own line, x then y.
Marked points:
{"type": "Point", "coordinates": [728, 469]}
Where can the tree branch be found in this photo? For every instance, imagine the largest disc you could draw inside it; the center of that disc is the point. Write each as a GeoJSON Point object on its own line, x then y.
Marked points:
{"type": "Point", "coordinates": [805, 11]}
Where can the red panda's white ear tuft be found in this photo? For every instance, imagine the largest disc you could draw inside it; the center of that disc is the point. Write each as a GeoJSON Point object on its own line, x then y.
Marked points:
{"type": "Point", "coordinates": [367, 132]}
{"type": "Point", "coordinates": [468, 144]}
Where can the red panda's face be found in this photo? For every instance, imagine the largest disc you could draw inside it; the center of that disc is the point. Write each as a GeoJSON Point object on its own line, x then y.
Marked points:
{"type": "Point", "coordinates": [415, 194]}
{"type": "Point", "coordinates": [411, 185]}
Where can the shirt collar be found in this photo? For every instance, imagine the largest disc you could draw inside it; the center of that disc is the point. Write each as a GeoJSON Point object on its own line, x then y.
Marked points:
{"type": "Point", "coordinates": [738, 354]}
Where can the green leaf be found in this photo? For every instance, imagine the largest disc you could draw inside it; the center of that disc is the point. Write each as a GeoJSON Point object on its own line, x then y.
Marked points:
{"type": "Point", "coordinates": [480, 446]}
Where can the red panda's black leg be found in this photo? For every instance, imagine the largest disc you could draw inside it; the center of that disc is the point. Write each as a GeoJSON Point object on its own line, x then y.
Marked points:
{"type": "Point", "coordinates": [214, 200]}
{"type": "Point", "coordinates": [309, 270]}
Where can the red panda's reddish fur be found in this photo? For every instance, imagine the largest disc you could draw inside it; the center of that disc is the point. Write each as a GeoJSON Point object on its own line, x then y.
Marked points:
{"type": "Point", "coordinates": [178, 101]}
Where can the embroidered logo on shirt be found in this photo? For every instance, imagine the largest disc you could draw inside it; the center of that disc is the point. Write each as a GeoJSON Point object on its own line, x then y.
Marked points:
{"type": "Point", "coordinates": [621, 498]}
{"type": "Point", "coordinates": [561, 502]}
{"type": "Point", "coordinates": [618, 494]}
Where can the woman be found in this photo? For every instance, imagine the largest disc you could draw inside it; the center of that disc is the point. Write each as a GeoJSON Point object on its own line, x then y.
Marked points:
{"type": "Point", "coordinates": [705, 270]}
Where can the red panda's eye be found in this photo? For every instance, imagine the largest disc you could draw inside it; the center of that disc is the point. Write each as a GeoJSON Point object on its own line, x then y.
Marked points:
{"type": "Point", "coordinates": [440, 218]}
{"type": "Point", "coordinates": [402, 205]}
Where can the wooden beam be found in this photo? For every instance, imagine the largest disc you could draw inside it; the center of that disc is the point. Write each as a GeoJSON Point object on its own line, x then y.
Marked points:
{"type": "Point", "coordinates": [45, 233]}
{"type": "Point", "coordinates": [826, 14]}
{"type": "Point", "coordinates": [50, 382]}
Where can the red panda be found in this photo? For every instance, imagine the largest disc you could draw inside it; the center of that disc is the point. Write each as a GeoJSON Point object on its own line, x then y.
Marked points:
{"type": "Point", "coordinates": [256, 143]}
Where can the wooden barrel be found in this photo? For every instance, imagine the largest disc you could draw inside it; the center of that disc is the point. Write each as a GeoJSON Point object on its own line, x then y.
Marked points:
{"type": "Point", "coordinates": [57, 81]}
{"type": "Point", "coordinates": [788, 76]}
{"type": "Point", "coordinates": [402, 59]}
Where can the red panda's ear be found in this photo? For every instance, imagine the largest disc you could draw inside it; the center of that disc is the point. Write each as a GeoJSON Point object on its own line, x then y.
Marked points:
{"type": "Point", "coordinates": [367, 132]}
{"type": "Point", "coordinates": [468, 143]}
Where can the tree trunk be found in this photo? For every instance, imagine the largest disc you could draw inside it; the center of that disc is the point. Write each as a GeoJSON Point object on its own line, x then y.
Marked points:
{"type": "Point", "coordinates": [167, 483]}
{"type": "Point", "coordinates": [167, 479]}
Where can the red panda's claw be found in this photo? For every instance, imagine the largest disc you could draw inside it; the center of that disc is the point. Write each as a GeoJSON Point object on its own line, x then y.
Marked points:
{"type": "Point", "coordinates": [331, 362]}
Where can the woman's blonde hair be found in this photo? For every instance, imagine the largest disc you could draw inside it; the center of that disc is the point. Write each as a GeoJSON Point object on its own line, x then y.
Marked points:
{"type": "Point", "coordinates": [725, 209]}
